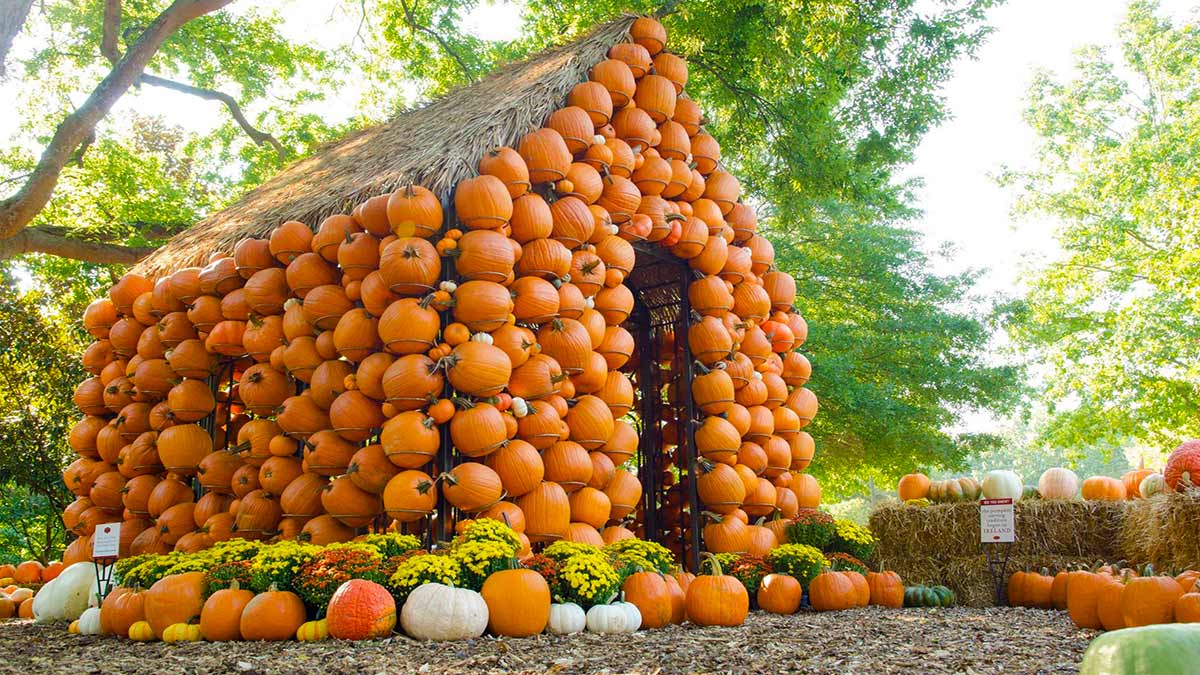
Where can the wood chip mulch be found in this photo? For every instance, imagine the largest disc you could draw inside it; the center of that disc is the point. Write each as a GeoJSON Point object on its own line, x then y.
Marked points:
{"type": "Point", "coordinates": [871, 640]}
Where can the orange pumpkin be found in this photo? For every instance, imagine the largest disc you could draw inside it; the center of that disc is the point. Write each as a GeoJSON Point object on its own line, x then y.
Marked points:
{"type": "Point", "coordinates": [178, 598]}
{"type": "Point", "coordinates": [221, 616]}
{"type": "Point", "coordinates": [518, 602]}
{"type": "Point", "coordinates": [780, 594]}
{"type": "Point", "coordinates": [273, 616]}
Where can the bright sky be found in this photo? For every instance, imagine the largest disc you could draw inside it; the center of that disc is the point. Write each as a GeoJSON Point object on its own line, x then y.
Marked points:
{"type": "Point", "coordinates": [986, 96]}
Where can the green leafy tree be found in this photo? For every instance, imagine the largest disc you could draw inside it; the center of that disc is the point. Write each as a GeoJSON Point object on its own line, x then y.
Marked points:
{"type": "Point", "coordinates": [97, 51]}
{"type": "Point", "coordinates": [1113, 318]}
{"type": "Point", "coordinates": [39, 368]}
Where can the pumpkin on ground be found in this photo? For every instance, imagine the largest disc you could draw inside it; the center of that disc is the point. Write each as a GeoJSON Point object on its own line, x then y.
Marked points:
{"type": "Point", "coordinates": [518, 602]}
{"type": "Point", "coordinates": [313, 631]}
{"type": "Point", "coordinates": [272, 616]}
{"type": "Point", "coordinates": [779, 594]}
{"type": "Point", "coordinates": [886, 589]}
{"type": "Point", "coordinates": [440, 612]}
{"type": "Point", "coordinates": [716, 599]}
{"type": "Point", "coordinates": [361, 610]}
{"type": "Point", "coordinates": [1148, 649]}
{"type": "Point", "coordinates": [832, 590]}
{"type": "Point", "coordinates": [566, 618]}
{"type": "Point", "coordinates": [614, 618]}
{"type": "Point", "coordinates": [221, 616]}
{"type": "Point", "coordinates": [178, 598]}
{"type": "Point", "coordinates": [648, 592]}
{"type": "Point", "coordinates": [1149, 599]}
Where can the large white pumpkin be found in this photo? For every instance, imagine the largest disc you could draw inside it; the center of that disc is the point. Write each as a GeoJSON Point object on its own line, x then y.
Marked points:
{"type": "Point", "coordinates": [1002, 483]}
{"type": "Point", "coordinates": [66, 596]}
{"type": "Point", "coordinates": [1058, 483]}
{"type": "Point", "coordinates": [566, 618]}
{"type": "Point", "coordinates": [439, 612]}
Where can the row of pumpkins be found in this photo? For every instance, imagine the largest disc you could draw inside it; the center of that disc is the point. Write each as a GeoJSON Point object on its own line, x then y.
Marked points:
{"type": "Point", "coordinates": [529, 337]}
{"type": "Point", "coordinates": [1061, 483]}
{"type": "Point", "coordinates": [1110, 597]}
{"type": "Point", "coordinates": [511, 603]}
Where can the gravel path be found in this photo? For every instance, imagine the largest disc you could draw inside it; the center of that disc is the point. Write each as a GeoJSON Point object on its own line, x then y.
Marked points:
{"type": "Point", "coordinates": [871, 640]}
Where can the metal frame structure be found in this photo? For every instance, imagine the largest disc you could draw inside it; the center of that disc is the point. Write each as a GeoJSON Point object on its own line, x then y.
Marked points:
{"type": "Point", "coordinates": [659, 282]}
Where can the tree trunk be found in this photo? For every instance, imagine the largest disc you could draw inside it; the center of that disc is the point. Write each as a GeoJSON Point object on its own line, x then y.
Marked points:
{"type": "Point", "coordinates": [17, 211]}
{"type": "Point", "coordinates": [13, 14]}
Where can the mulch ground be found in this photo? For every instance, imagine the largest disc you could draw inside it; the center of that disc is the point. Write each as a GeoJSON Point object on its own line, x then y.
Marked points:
{"type": "Point", "coordinates": [871, 640]}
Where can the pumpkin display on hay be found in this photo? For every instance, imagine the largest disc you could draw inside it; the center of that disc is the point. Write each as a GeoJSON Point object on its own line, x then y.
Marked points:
{"type": "Point", "coordinates": [568, 321]}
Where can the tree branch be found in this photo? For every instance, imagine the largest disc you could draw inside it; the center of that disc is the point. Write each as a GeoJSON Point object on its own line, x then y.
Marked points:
{"type": "Point", "coordinates": [259, 137]}
{"type": "Point", "coordinates": [411, 20]}
{"type": "Point", "coordinates": [45, 240]}
{"type": "Point", "coordinates": [18, 210]}
{"type": "Point", "coordinates": [110, 51]}
{"type": "Point", "coordinates": [112, 27]}
{"type": "Point", "coordinates": [12, 18]}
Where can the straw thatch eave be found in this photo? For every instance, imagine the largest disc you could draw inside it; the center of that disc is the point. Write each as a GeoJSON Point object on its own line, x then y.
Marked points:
{"type": "Point", "coordinates": [435, 146]}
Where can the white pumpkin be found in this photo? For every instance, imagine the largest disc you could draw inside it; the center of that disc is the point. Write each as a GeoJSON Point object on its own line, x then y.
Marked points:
{"type": "Point", "coordinates": [611, 619]}
{"type": "Point", "coordinates": [439, 612]}
{"type": "Point", "coordinates": [1151, 485]}
{"type": "Point", "coordinates": [632, 612]}
{"type": "Point", "coordinates": [566, 618]}
{"type": "Point", "coordinates": [1002, 483]}
{"type": "Point", "coordinates": [66, 596]}
{"type": "Point", "coordinates": [89, 621]}
{"type": "Point", "coordinates": [1058, 483]}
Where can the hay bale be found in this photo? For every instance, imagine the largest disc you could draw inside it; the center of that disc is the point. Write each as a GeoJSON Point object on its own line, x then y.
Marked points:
{"type": "Point", "coordinates": [1164, 531]}
{"type": "Point", "coordinates": [915, 532]}
{"type": "Point", "coordinates": [1140, 531]}
{"type": "Point", "coordinates": [939, 544]}
{"type": "Point", "coordinates": [1074, 529]}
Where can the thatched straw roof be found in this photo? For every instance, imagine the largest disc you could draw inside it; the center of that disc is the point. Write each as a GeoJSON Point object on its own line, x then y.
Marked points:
{"type": "Point", "coordinates": [435, 146]}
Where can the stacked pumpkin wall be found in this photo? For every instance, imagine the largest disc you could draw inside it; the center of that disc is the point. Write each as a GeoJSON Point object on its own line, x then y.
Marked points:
{"type": "Point", "coordinates": [419, 358]}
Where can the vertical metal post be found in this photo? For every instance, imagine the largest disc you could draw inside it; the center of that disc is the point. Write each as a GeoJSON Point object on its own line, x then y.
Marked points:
{"type": "Point", "coordinates": [445, 458]}
{"type": "Point", "coordinates": [649, 470]}
{"type": "Point", "coordinates": [687, 425]}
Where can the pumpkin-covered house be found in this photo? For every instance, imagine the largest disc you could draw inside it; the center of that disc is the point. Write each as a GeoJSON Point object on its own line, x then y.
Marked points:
{"type": "Point", "coordinates": [537, 299]}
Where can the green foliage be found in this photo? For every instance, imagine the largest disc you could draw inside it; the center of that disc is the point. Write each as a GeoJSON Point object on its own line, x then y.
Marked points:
{"type": "Point", "coordinates": [39, 368]}
{"type": "Point", "coordinates": [1113, 317]}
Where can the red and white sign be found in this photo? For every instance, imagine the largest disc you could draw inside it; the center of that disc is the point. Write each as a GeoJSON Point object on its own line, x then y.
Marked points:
{"type": "Point", "coordinates": [106, 541]}
{"type": "Point", "coordinates": [996, 522]}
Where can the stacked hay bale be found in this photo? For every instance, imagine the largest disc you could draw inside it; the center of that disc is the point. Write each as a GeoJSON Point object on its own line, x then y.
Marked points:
{"type": "Point", "coordinates": [940, 543]}
{"type": "Point", "coordinates": [1164, 531]}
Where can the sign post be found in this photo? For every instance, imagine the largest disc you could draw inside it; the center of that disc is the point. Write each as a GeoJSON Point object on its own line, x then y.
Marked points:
{"type": "Point", "coordinates": [106, 548]}
{"type": "Point", "coordinates": [997, 533]}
